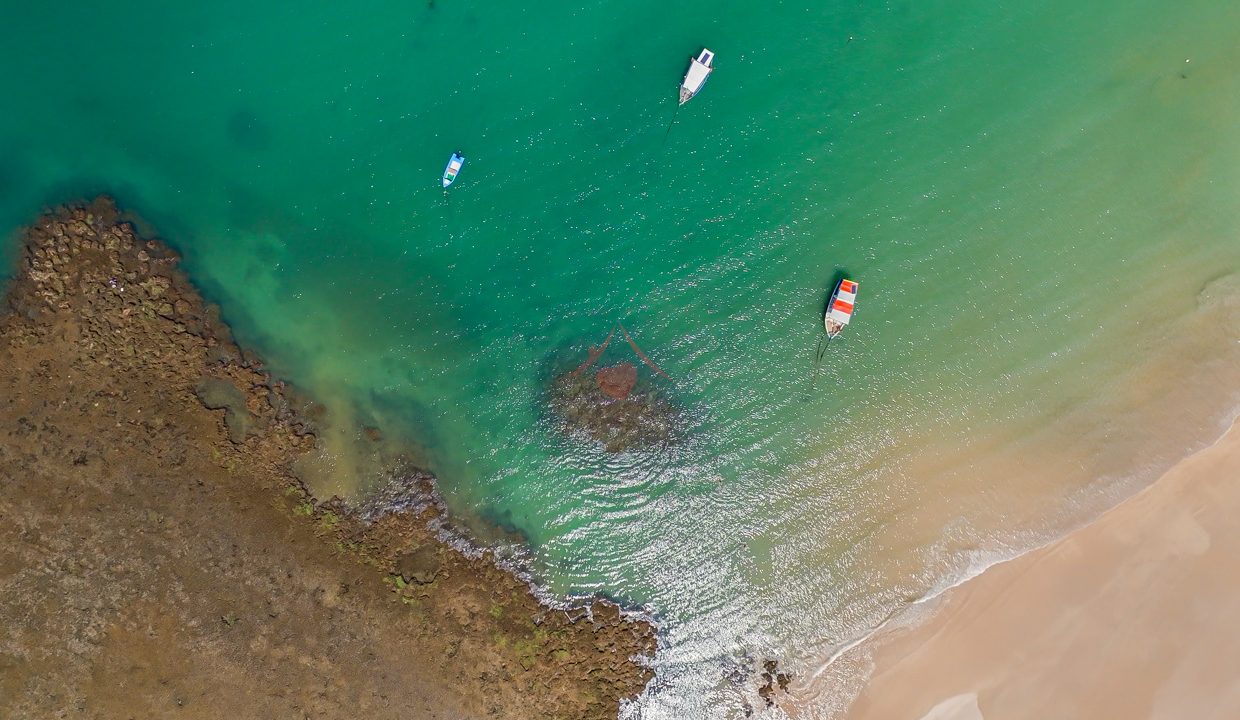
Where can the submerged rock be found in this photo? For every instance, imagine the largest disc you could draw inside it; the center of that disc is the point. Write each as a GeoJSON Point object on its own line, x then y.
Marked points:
{"type": "Point", "coordinates": [608, 410]}
{"type": "Point", "coordinates": [617, 381]}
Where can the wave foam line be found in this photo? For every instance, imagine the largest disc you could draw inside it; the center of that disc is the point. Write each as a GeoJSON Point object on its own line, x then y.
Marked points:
{"type": "Point", "coordinates": [1231, 419]}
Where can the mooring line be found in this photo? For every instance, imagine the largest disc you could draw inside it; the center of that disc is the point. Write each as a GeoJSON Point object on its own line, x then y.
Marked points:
{"type": "Point", "coordinates": [675, 113]}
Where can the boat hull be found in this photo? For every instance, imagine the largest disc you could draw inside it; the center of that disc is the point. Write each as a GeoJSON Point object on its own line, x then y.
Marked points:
{"type": "Point", "coordinates": [840, 307]}
{"type": "Point", "coordinates": [453, 169]}
{"type": "Point", "coordinates": [699, 72]}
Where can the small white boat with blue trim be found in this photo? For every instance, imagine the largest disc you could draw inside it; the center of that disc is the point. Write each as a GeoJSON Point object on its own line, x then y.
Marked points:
{"type": "Point", "coordinates": [700, 69]}
{"type": "Point", "coordinates": [453, 169]}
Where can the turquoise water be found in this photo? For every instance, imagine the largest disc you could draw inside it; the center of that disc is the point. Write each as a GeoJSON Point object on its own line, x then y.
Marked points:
{"type": "Point", "coordinates": [1008, 184]}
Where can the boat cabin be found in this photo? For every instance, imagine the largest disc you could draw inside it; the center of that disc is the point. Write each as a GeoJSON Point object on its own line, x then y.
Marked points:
{"type": "Point", "coordinates": [700, 69]}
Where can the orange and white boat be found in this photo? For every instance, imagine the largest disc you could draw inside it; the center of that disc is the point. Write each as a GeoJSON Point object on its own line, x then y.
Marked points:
{"type": "Point", "coordinates": [840, 309]}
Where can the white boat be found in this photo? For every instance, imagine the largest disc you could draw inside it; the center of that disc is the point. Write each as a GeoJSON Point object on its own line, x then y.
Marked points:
{"type": "Point", "coordinates": [700, 69]}
{"type": "Point", "coordinates": [453, 169]}
{"type": "Point", "coordinates": [840, 309]}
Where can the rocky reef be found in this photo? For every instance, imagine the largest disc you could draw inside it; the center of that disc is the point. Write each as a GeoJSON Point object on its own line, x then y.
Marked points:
{"type": "Point", "coordinates": [161, 559]}
{"type": "Point", "coordinates": [614, 409]}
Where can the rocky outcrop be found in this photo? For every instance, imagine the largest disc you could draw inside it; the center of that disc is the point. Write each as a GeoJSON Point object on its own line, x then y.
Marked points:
{"type": "Point", "coordinates": [420, 565]}
{"type": "Point", "coordinates": [158, 551]}
{"type": "Point", "coordinates": [218, 394]}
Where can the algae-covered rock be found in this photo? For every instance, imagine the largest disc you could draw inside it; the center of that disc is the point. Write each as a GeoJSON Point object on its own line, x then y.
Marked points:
{"type": "Point", "coordinates": [617, 381]}
{"type": "Point", "coordinates": [420, 565]}
{"type": "Point", "coordinates": [217, 394]}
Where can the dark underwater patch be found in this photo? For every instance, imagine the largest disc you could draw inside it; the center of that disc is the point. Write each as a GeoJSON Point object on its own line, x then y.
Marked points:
{"type": "Point", "coordinates": [248, 131]}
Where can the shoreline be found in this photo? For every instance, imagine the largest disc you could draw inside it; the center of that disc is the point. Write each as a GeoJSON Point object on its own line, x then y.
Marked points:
{"type": "Point", "coordinates": [121, 385]}
{"type": "Point", "coordinates": [1069, 628]}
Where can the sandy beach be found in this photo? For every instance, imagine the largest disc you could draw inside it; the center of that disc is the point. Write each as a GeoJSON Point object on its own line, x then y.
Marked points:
{"type": "Point", "coordinates": [1132, 616]}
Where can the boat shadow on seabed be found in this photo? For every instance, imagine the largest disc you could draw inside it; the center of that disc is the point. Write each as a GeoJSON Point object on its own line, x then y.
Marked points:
{"type": "Point", "coordinates": [839, 274]}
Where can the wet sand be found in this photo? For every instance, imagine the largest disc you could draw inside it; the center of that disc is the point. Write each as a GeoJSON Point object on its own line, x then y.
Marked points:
{"type": "Point", "coordinates": [159, 557]}
{"type": "Point", "coordinates": [1135, 615]}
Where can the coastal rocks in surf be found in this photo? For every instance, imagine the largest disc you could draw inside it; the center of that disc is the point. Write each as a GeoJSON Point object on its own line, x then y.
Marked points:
{"type": "Point", "coordinates": [614, 409]}
{"type": "Point", "coordinates": [768, 679]}
{"type": "Point", "coordinates": [406, 489]}
{"type": "Point", "coordinates": [773, 681]}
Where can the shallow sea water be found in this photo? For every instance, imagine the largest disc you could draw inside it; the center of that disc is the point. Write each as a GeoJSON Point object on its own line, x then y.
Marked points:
{"type": "Point", "coordinates": [1040, 205]}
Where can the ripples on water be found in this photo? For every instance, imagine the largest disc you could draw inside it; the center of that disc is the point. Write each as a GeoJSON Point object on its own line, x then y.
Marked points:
{"type": "Point", "coordinates": [1005, 184]}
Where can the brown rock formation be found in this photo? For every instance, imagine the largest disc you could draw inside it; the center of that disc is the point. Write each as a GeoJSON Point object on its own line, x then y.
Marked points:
{"type": "Point", "coordinates": [157, 559]}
